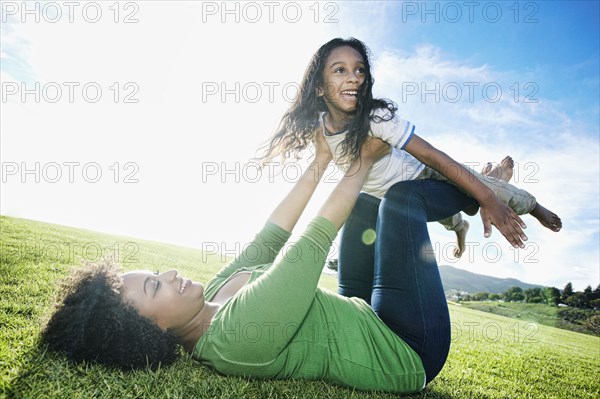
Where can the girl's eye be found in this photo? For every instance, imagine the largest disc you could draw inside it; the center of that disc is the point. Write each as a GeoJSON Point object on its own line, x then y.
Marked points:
{"type": "Point", "coordinates": [339, 70]}
{"type": "Point", "coordinates": [360, 70]}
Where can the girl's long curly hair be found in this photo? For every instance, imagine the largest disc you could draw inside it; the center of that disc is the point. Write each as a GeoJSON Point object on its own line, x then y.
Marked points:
{"type": "Point", "coordinates": [297, 126]}
{"type": "Point", "coordinates": [92, 323]}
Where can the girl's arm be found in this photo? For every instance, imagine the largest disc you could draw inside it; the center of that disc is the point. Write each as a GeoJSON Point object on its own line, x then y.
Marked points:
{"type": "Point", "coordinates": [493, 211]}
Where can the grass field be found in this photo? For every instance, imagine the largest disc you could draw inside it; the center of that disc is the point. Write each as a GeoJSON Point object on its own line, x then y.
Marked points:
{"type": "Point", "coordinates": [491, 356]}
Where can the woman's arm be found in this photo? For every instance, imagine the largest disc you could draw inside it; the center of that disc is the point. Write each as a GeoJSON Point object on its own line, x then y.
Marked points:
{"type": "Point", "coordinates": [341, 201]}
{"type": "Point", "coordinates": [338, 206]}
{"type": "Point", "coordinates": [269, 241]}
{"type": "Point", "coordinates": [282, 296]}
{"type": "Point", "coordinates": [493, 212]}
{"type": "Point", "coordinates": [289, 210]}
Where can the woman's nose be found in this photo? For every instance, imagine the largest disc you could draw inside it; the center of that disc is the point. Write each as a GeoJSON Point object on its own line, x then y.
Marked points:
{"type": "Point", "coordinates": [170, 274]}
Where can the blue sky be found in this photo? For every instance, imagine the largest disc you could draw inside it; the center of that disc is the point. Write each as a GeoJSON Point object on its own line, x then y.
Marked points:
{"type": "Point", "coordinates": [555, 41]}
{"type": "Point", "coordinates": [209, 89]}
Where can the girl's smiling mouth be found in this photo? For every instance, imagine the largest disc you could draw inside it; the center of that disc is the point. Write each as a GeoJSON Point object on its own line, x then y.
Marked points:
{"type": "Point", "coordinates": [349, 95]}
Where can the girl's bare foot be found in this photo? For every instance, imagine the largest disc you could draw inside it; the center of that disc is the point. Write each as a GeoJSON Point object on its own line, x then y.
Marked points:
{"type": "Point", "coordinates": [547, 218]}
{"type": "Point", "coordinates": [461, 236]}
{"type": "Point", "coordinates": [502, 171]}
{"type": "Point", "coordinates": [487, 168]}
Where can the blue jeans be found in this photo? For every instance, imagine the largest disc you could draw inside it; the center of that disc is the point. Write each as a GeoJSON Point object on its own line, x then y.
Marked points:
{"type": "Point", "coordinates": [398, 274]}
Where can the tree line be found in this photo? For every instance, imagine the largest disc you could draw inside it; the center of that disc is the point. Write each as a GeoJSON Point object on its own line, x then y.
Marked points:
{"type": "Point", "coordinates": [582, 307]}
{"type": "Point", "coordinates": [586, 299]}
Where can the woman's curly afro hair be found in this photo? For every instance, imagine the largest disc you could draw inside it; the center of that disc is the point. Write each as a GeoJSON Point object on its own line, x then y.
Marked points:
{"type": "Point", "coordinates": [92, 323]}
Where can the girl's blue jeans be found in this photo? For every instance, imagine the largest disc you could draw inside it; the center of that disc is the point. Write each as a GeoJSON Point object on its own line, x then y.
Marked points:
{"type": "Point", "coordinates": [397, 273]}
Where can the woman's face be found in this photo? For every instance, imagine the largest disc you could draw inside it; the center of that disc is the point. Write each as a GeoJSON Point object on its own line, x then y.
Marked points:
{"type": "Point", "coordinates": [343, 73]}
{"type": "Point", "coordinates": [169, 300]}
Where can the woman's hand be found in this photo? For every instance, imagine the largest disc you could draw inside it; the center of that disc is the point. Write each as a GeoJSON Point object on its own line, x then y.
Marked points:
{"type": "Point", "coordinates": [373, 149]}
{"type": "Point", "coordinates": [322, 151]}
{"type": "Point", "coordinates": [289, 210]}
{"type": "Point", "coordinates": [370, 152]}
{"type": "Point", "coordinates": [494, 212]}
{"type": "Point", "coordinates": [341, 201]}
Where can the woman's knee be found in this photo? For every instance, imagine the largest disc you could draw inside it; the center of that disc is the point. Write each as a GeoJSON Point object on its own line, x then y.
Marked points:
{"type": "Point", "coordinates": [403, 203]}
{"type": "Point", "coordinates": [434, 199]}
{"type": "Point", "coordinates": [408, 193]}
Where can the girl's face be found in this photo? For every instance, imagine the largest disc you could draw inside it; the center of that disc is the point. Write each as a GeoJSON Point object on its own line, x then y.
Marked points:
{"type": "Point", "coordinates": [343, 73]}
{"type": "Point", "coordinates": [167, 299]}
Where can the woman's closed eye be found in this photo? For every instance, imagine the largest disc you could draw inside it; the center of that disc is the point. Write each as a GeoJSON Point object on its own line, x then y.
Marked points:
{"type": "Point", "coordinates": [156, 284]}
{"type": "Point", "coordinates": [156, 287]}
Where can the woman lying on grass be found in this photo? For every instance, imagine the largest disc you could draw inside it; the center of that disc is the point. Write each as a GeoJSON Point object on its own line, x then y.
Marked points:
{"type": "Point", "coordinates": [263, 314]}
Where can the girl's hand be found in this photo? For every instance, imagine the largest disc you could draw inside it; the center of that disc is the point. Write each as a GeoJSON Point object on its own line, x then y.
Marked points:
{"type": "Point", "coordinates": [494, 212]}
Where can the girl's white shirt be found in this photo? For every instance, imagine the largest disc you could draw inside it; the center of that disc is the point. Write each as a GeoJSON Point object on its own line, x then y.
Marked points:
{"type": "Point", "coordinates": [397, 166]}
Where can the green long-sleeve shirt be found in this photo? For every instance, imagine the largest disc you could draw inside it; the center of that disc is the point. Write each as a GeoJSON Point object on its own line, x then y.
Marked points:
{"type": "Point", "coordinates": [281, 325]}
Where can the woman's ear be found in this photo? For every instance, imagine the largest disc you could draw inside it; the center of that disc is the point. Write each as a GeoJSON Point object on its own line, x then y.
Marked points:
{"type": "Point", "coordinates": [319, 91]}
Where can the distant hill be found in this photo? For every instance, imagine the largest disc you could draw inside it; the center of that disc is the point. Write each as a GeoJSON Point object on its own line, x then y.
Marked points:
{"type": "Point", "coordinates": [462, 280]}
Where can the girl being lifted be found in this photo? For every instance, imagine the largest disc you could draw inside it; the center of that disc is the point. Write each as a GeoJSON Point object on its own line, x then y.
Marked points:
{"type": "Point", "coordinates": [336, 100]}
